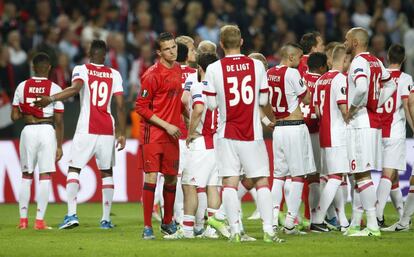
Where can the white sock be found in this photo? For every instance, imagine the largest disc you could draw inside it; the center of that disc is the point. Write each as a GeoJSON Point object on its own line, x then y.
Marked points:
{"type": "Point", "coordinates": [72, 188]}
{"type": "Point", "coordinates": [253, 193]}
{"type": "Point", "coordinates": [357, 209]}
{"type": "Point", "coordinates": [408, 207]}
{"type": "Point", "coordinates": [231, 206]}
{"type": "Point", "coordinates": [293, 202]}
{"type": "Point", "coordinates": [221, 212]}
{"type": "Point", "coordinates": [158, 198]}
{"type": "Point", "coordinates": [201, 209]}
{"type": "Point", "coordinates": [107, 197]}
{"type": "Point", "coordinates": [179, 202]}
{"type": "Point", "coordinates": [344, 189]}
{"type": "Point", "coordinates": [241, 191]}
{"type": "Point", "coordinates": [339, 203]}
{"type": "Point", "coordinates": [397, 199]}
{"type": "Point", "coordinates": [368, 199]}
{"type": "Point", "coordinates": [277, 195]}
{"type": "Point", "coordinates": [188, 225]}
{"type": "Point", "coordinates": [287, 187]}
{"type": "Point", "coordinates": [24, 197]}
{"type": "Point", "coordinates": [327, 197]}
{"type": "Point", "coordinates": [264, 197]}
{"type": "Point", "coordinates": [42, 197]}
{"type": "Point", "coordinates": [314, 196]}
{"type": "Point", "coordinates": [383, 191]}
{"type": "Point", "coordinates": [211, 212]}
{"type": "Point", "coordinates": [240, 222]}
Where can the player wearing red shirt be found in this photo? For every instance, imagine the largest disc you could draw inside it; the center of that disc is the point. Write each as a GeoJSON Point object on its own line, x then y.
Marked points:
{"type": "Point", "coordinates": [159, 105]}
{"type": "Point", "coordinates": [96, 129]}
{"type": "Point", "coordinates": [40, 143]}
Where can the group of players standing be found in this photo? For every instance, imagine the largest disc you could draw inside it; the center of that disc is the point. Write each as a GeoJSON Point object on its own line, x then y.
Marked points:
{"type": "Point", "coordinates": [327, 126]}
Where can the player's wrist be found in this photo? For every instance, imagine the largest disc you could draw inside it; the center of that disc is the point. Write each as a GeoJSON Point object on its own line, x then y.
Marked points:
{"type": "Point", "coordinates": [52, 98]}
{"type": "Point", "coordinates": [266, 121]}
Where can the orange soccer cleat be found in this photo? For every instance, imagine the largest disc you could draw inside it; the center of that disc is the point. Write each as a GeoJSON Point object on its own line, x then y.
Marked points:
{"type": "Point", "coordinates": [41, 225]}
{"type": "Point", "coordinates": [23, 223]}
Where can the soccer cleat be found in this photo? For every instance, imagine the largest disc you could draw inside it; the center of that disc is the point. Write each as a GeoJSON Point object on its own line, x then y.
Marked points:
{"type": "Point", "coordinates": [209, 232]}
{"type": "Point", "coordinates": [105, 224]}
{"type": "Point", "coordinates": [255, 215]}
{"type": "Point", "coordinates": [332, 224]}
{"type": "Point", "coordinates": [319, 227]}
{"type": "Point", "coordinates": [293, 231]}
{"type": "Point", "coordinates": [367, 232]}
{"type": "Point", "coordinates": [219, 225]}
{"type": "Point", "coordinates": [304, 224]}
{"type": "Point", "coordinates": [246, 238]}
{"type": "Point", "coordinates": [148, 233]}
{"type": "Point", "coordinates": [199, 232]}
{"type": "Point", "coordinates": [235, 238]}
{"type": "Point", "coordinates": [343, 229]}
{"type": "Point", "coordinates": [396, 227]}
{"type": "Point", "coordinates": [41, 225]}
{"type": "Point", "coordinates": [69, 222]}
{"type": "Point", "coordinates": [179, 234]}
{"type": "Point", "coordinates": [381, 223]}
{"type": "Point", "coordinates": [169, 229]}
{"type": "Point", "coordinates": [23, 224]}
{"type": "Point", "coordinates": [352, 230]}
{"type": "Point", "coordinates": [268, 238]}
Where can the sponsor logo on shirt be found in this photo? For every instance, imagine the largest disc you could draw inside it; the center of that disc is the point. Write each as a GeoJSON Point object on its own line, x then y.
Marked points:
{"type": "Point", "coordinates": [358, 70]}
{"type": "Point", "coordinates": [197, 96]}
{"type": "Point", "coordinates": [343, 90]}
{"type": "Point", "coordinates": [144, 93]}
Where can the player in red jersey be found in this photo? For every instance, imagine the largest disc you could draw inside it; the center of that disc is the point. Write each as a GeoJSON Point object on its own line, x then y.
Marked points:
{"type": "Point", "coordinates": [40, 143]}
{"type": "Point", "coordinates": [365, 95]}
{"type": "Point", "coordinates": [159, 105]}
{"type": "Point", "coordinates": [311, 43]}
{"type": "Point", "coordinates": [95, 132]}
{"type": "Point", "coordinates": [237, 85]}
{"type": "Point", "coordinates": [394, 115]}
{"type": "Point", "coordinates": [330, 105]}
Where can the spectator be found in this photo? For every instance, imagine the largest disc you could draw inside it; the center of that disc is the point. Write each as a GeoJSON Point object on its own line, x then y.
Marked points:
{"type": "Point", "coordinates": [117, 58]}
{"type": "Point", "coordinates": [139, 67]}
{"type": "Point", "coordinates": [378, 48]}
{"type": "Point", "coordinates": [9, 20]}
{"type": "Point", "coordinates": [361, 18]}
{"type": "Point", "coordinates": [17, 55]}
{"type": "Point", "coordinates": [193, 17]}
{"type": "Point", "coordinates": [31, 38]}
{"type": "Point", "coordinates": [7, 74]}
{"type": "Point", "coordinates": [395, 19]}
{"type": "Point", "coordinates": [69, 45]}
{"type": "Point", "coordinates": [50, 45]}
{"type": "Point", "coordinates": [210, 30]}
{"type": "Point", "coordinates": [94, 30]}
{"type": "Point", "coordinates": [61, 74]}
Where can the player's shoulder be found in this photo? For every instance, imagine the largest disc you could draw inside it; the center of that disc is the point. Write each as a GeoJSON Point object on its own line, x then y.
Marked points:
{"type": "Point", "coordinates": [55, 86]}
{"type": "Point", "coordinates": [115, 72]}
{"type": "Point", "coordinates": [406, 76]}
{"type": "Point", "coordinates": [292, 72]}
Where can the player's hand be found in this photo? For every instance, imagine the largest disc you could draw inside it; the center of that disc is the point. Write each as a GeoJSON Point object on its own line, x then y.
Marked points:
{"type": "Point", "coordinates": [271, 125]}
{"type": "Point", "coordinates": [120, 143]}
{"type": "Point", "coordinates": [59, 153]}
{"type": "Point", "coordinates": [173, 131]}
{"type": "Point", "coordinates": [42, 101]}
{"type": "Point", "coordinates": [190, 139]}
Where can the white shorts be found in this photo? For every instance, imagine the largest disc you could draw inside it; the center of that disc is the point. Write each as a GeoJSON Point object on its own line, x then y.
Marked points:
{"type": "Point", "coordinates": [233, 155]}
{"type": "Point", "coordinates": [364, 149]}
{"type": "Point", "coordinates": [201, 166]}
{"type": "Point", "coordinates": [316, 149]}
{"type": "Point", "coordinates": [38, 146]}
{"type": "Point", "coordinates": [183, 155]}
{"type": "Point", "coordinates": [292, 150]}
{"type": "Point", "coordinates": [85, 146]}
{"type": "Point", "coordinates": [394, 153]}
{"type": "Point", "coordinates": [334, 160]}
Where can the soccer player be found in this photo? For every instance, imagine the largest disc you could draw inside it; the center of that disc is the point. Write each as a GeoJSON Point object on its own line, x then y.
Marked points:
{"type": "Point", "coordinates": [201, 167]}
{"type": "Point", "coordinates": [330, 105]}
{"type": "Point", "coordinates": [40, 143]}
{"type": "Point", "coordinates": [159, 105]}
{"type": "Point", "coordinates": [311, 42]}
{"type": "Point", "coordinates": [95, 132]}
{"type": "Point", "coordinates": [238, 86]}
{"type": "Point", "coordinates": [365, 78]}
{"type": "Point", "coordinates": [394, 115]}
{"type": "Point", "coordinates": [292, 148]}
{"type": "Point", "coordinates": [317, 66]}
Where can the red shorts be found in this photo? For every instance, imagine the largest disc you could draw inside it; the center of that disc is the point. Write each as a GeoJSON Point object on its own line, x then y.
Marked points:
{"type": "Point", "coordinates": [160, 157]}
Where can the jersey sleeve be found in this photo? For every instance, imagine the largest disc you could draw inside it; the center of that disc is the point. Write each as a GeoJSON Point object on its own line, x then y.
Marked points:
{"type": "Point", "coordinates": [359, 68]}
{"type": "Point", "coordinates": [339, 89]}
{"type": "Point", "coordinates": [196, 91]}
{"type": "Point", "coordinates": [79, 73]}
{"type": "Point", "coordinates": [58, 105]}
{"type": "Point", "coordinates": [117, 88]}
{"type": "Point", "coordinates": [144, 99]}
{"type": "Point", "coordinates": [210, 89]}
{"type": "Point", "coordinates": [295, 81]}
{"type": "Point", "coordinates": [405, 84]}
{"type": "Point", "coordinates": [18, 96]}
{"type": "Point", "coordinates": [386, 76]}
{"type": "Point", "coordinates": [315, 98]}
{"type": "Point", "coordinates": [191, 80]}
{"type": "Point", "coordinates": [262, 77]}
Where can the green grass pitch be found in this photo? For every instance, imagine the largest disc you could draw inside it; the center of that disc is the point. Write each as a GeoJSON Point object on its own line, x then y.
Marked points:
{"type": "Point", "coordinates": [125, 239]}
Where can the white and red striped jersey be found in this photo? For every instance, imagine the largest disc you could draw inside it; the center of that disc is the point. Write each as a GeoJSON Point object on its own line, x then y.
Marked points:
{"type": "Point", "coordinates": [392, 112]}
{"type": "Point", "coordinates": [99, 84]}
{"type": "Point", "coordinates": [331, 92]}
{"type": "Point", "coordinates": [186, 71]}
{"type": "Point", "coordinates": [27, 91]}
{"type": "Point", "coordinates": [308, 111]}
{"type": "Point", "coordinates": [286, 88]}
{"type": "Point", "coordinates": [236, 81]}
{"type": "Point", "coordinates": [368, 66]}
{"type": "Point", "coordinates": [208, 123]}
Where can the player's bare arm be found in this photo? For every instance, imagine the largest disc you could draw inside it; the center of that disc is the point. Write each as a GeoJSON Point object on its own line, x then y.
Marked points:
{"type": "Point", "coordinates": [307, 98]}
{"type": "Point", "coordinates": [59, 128]}
{"type": "Point", "coordinates": [343, 108]}
{"type": "Point", "coordinates": [16, 114]}
{"type": "Point", "coordinates": [172, 130]}
{"type": "Point", "coordinates": [194, 121]}
{"type": "Point", "coordinates": [120, 122]}
{"type": "Point", "coordinates": [407, 113]}
{"type": "Point", "coordinates": [43, 101]}
{"type": "Point", "coordinates": [265, 118]}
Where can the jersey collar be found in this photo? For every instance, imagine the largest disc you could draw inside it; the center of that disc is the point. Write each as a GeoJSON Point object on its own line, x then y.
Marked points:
{"type": "Point", "coordinates": [99, 65]}
{"type": "Point", "coordinates": [234, 55]}
{"type": "Point", "coordinates": [39, 78]}
{"type": "Point", "coordinates": [361, 53]}
{"type": "Point", "coordinates": [315, 74]}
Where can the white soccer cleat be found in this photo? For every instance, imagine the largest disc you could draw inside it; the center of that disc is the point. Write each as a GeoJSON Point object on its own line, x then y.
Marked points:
{"type": "Point", "coordinates": [246, 238]}
{"type": "Point", "coordinates": [396, 227]}
{"type": "Point", "coordinates": [255, 215]}
{"type": "Point", "coordinates": [210, 233]}
{"type": "Point", "coordinates": [366, 232]}
{"type": "Point", "coordinates": [293, 231]}
{"type": "Point", "coordinates": [179, 234]}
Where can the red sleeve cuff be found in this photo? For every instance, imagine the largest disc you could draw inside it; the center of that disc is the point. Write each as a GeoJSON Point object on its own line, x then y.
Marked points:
{"type": "Point", "coordinates": [119, 93]}
{"type": "Point", "coordinates": [387, 79]}
{"type": "Point", "coordinates": [197, 102]}
{"type": "Point", "coordinates": [209, 93]}
{"type": "Point", "coordinates": [303, 94]}
{"type": "Point", "coordinates": [15, 105]}
{"type": "Point", "coordinates": [77, 79]}
{"type": "Point", "coordinates": [264, 90]}
{"type": "Point", "coordinates": [360, 76]}
{"type": "Point", "coordinates": [59, 110]}
{"type": "Point", "coordinates": [341, 102]}
{"type": "Point", "coordinates": [404, 97]}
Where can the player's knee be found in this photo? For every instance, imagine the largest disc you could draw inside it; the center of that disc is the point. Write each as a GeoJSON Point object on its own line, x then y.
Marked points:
{"type": "Point", "coordinates": [27, 175]}
{"type": "Point", "coordinates": [46, 175]}
{"type": "Point", "coordinates": [73, 169]}
{"type": "Point", "coordinates": [170, 180]}
{"type": "Point", "coordinates": [151, 177]}
{"type": "Point", "coordinates": [106, 173]}
{"type": "Point", "coordinates": [362, 176]}
{"type": "Point", "coordinates": [261, 181]}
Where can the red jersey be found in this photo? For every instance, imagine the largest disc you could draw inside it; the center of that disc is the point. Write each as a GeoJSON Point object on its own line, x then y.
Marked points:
{"type": "Point", "coordinates": [303, 65]}
{"type": "Point", "coordinates": [186, 70]}
{"type": "Point", "coordinates": [160, 95]}
{"type": "Point", "coordinates": [308, 111]}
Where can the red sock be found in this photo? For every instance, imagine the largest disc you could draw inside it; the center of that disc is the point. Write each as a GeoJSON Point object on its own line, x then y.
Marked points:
{"type": "Point", "coordinates": [305, 199]}
{"type": "Point", "coordinates": [148, 202]}
{"type": "Point", "coordinates": [169, 198]}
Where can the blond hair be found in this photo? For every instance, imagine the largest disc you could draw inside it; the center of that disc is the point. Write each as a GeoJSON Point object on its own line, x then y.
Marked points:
{"type": "Point", "coordinates": [230, 36]}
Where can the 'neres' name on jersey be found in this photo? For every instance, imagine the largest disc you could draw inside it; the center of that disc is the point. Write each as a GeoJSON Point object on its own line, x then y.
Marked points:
{"type": "Point", "coordinates": [100, 74]}
{"type": "Point", "coordinates": [36, 90]}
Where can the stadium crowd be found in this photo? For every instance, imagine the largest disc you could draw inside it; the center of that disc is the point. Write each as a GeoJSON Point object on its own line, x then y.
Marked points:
{"type": "Point", "coordinates": [63, 30]}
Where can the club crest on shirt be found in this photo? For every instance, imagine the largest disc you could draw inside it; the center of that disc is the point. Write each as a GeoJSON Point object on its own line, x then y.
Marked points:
{"type": "Point", "coordinates": [301, 83]}
{"type": "Point", "coordinates": [144, 93]}
{"type": "Point", "coordinates": [358, 70]}
{"type": "Point", "coordinates": [410, 87]}
{"type": "Point", "coordinates": [343, 90]}
{"type": "Point", "coordinates": [204, 83]}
